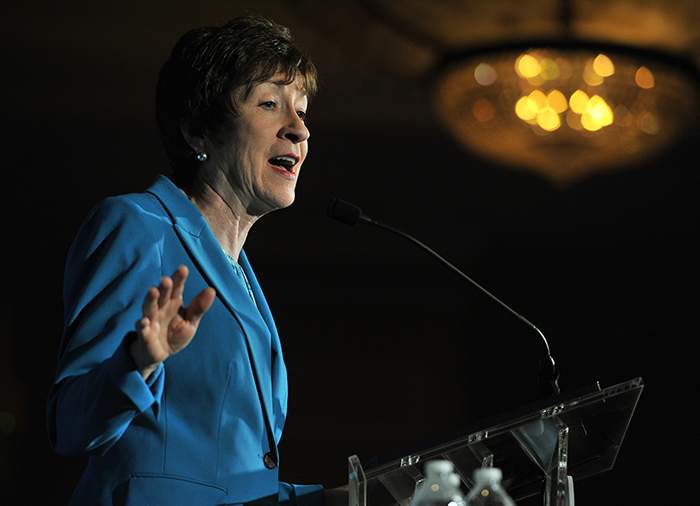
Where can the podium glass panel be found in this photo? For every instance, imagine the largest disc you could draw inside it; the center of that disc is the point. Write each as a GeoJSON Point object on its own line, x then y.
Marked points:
{"type": "Point", "coordinates": [539, 448]}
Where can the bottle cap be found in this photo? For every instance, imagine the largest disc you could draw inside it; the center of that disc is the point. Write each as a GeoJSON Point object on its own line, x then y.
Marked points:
{"type": "Point", "coordinates": [438, 466]}
{"type": "Point", "coordinates": [488, 473]}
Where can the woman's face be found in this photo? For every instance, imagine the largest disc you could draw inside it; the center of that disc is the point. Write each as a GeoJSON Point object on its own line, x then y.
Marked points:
{"type": "Point", "coordinates": [258, 155]}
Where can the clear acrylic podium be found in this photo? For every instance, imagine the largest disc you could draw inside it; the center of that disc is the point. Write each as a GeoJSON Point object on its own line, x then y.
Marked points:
{"type": "Point", "coordinates": [541, 448]}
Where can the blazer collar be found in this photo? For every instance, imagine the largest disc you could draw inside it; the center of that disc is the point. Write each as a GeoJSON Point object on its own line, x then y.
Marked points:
{"type": "Point", "coordinates": [207, 254]}
{"type": "Point", "coordinates": [208, 257]}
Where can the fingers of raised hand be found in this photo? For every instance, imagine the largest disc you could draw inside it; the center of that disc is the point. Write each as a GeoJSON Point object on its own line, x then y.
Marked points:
{"type": "Point", "coordinates": [150, 302]}
{"type": "Point", "coordinates": [167, 326]}
{"type": "Point", "coordinates": [178, 279]}
{"type": "Point", "coordinates": [200, 304]}
{"type": "Point", "coordinates": [165, 291]}
{"type": "Point", "coordinates": [166, 299]}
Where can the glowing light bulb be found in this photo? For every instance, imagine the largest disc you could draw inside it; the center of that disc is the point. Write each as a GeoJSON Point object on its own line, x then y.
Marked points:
{"type": "Point", "coordinates": [591, 77]}
{"type": "Point", "coordinates": [548, 120]}
{"type": "Point", "coordinates": [550, 70]}
{"type": "Point", "coordinates": [600, 110]}
{"type": "Point", "coordinates": [527, 66]}
{"type": "Point", "coordinates": [644, 78]}
{"type": "Point", "coordinates": [537, 101]}
{"type": "Point", "coordinates": [485, 74]}
{"type": "Point", "coordinates": [579, 102]}
{"type": "Point", "coordinates": [557, 101]}
{"type": "Point", "coordinates": [603, 66]}
{"type": "Point", "coordinates": [589, 122]}
{"type": "Point", "coordinates": [523, 111]}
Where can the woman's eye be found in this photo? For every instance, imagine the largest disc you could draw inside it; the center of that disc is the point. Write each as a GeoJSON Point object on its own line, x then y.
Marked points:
{"type": "Point", "coordinates": [268, 104]}
{"type": "Point", "coordinates": [302, 115]}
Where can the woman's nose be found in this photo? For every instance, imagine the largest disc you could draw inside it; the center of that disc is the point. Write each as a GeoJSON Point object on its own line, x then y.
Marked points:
{"type": "Point", "coordinates": [296, 130]}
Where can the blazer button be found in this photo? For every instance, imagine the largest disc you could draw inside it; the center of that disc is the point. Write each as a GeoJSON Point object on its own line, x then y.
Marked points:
{"type": "Point", "coordinates": [270, 460]}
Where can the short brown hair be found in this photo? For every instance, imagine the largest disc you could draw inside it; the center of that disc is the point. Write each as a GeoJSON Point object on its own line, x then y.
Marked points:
{"type": "Point", "coordinates": [196, 83]}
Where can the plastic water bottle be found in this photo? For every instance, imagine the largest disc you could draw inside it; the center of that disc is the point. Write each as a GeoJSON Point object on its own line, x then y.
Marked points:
{"type": "Point", "coordinates": [440, 487]}
{"type": "Point", "coordinates": [487, 489]}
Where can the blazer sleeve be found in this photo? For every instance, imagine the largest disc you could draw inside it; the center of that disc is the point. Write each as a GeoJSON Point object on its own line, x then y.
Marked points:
{"type": "Point", "coordinates": [98, 391]}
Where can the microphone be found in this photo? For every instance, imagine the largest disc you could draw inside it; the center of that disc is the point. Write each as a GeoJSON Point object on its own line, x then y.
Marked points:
{"type": "Point", "coordinates": [547, 375]}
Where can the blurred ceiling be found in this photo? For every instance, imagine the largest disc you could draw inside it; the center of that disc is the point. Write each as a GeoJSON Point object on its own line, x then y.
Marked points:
{"type": "Point", "coordinates": [65, 58]}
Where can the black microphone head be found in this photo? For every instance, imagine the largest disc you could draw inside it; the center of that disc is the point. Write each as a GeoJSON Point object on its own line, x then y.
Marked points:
{"type": "Point", "coordinates": [344, 212]}
{"type": "Point", "coordinates": [548, 378]}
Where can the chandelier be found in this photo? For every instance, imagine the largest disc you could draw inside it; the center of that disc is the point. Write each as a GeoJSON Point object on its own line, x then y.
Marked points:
{"type": "Point", "coordinates": [566, 111]}
{"type": "Point", "coordinates": [562, 88]}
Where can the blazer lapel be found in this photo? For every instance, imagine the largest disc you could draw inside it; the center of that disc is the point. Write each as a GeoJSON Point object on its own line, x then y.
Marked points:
{"type": "Point", "coordinates": [206, 253]}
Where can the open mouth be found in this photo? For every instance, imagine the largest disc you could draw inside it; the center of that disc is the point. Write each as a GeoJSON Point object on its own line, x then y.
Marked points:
{"type": "Point", "coordinates": [284, 162]}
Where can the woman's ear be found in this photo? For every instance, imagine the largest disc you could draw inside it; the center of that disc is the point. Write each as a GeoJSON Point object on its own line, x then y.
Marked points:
{"type": "Point", "coordinates": [195, 141]}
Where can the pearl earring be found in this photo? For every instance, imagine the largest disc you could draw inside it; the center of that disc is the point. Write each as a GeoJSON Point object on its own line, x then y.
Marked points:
{"type": "Point", "coordinates": [202, 157]}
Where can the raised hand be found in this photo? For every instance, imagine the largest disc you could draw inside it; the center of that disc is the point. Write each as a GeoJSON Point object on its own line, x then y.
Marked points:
{"type": "Point", "coordinates": [167, 326]}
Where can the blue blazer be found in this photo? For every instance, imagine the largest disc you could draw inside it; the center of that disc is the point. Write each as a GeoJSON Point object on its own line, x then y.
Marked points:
{"type": "Point", "coordinates": [197, 431]}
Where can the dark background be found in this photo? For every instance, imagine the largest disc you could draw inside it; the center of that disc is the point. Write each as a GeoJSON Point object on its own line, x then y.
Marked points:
{"type": "Point", "coordinates": [383, 345]}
